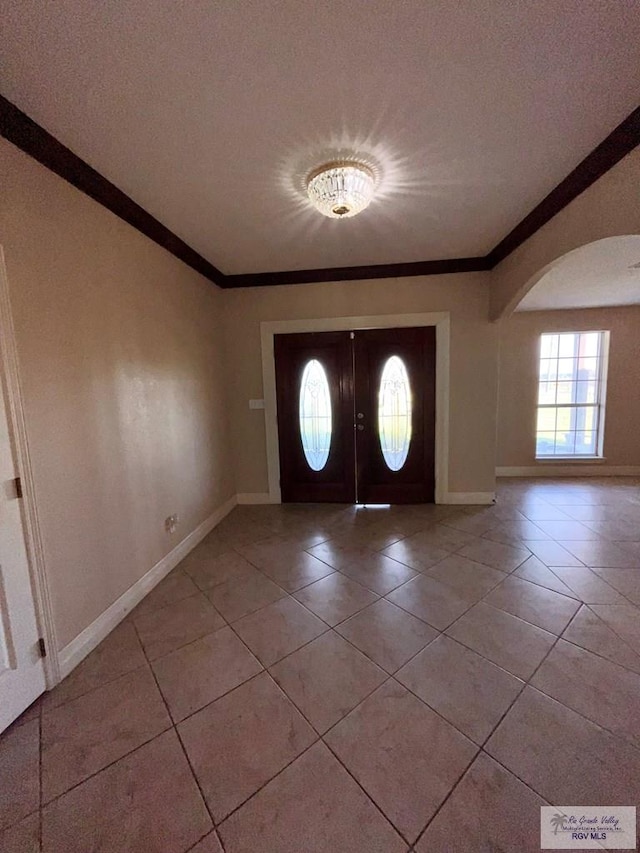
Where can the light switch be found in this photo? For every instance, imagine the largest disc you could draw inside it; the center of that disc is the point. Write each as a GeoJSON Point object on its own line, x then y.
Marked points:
{"type": "Point", "coordinates": [256, 404]}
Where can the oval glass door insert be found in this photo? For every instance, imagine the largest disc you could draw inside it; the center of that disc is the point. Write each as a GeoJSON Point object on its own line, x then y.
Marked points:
{"type": "Point", "coordinates": [315, 415]}
{"type": "Point", "coordinates": [394, 413]}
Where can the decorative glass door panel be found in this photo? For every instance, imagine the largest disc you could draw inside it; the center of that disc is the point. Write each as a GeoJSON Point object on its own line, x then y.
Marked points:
{"type": "Point", "coordinates": [394, 413]}
{"type": "Point", "coordinates": [315, 415]}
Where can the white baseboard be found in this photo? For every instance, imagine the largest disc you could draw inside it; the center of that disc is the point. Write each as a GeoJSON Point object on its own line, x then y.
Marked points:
{"type": "Point", "coordinates": [573, 470]}
{"type": "Point", "coordinates": [470, 498]}
{"type": "Point", "coordinates": [462, 498]}
{"type": "Point", "coordinates": [254, 498]}
{"type": "Point", "coordinates": [75, 651]}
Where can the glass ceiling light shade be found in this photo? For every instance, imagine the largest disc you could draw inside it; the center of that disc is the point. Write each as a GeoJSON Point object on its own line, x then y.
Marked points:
{"type": "Point", "coordinates": [340, 190]}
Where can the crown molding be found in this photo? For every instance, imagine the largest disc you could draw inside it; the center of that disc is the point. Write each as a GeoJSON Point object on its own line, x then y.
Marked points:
{"type": "Point", "coordinates": [30, 137]}
{"type": "Point", "coordinates": [440, 267]}
{"type": "Point", "coordinates": [26, 134]}
{"type": "Point", "coordinates": [611, 150]}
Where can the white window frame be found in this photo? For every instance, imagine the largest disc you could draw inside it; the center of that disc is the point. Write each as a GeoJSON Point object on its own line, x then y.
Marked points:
{"type": "Point", "coordinates": [600, 404]}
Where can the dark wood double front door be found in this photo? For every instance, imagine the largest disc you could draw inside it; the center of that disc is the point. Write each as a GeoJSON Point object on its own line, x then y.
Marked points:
{"type": "Point", "coordinates": [356, 415]}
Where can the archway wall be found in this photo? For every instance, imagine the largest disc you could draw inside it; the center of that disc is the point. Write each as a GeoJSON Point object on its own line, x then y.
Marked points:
{"type": "Point", "coordinates": [609, 207]}
{"type": "Point", "coordinates": [518, 389]}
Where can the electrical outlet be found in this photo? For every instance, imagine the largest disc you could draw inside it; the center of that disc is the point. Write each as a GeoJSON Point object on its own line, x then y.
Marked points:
{"type": "Point", "coordinates": [170, 523]}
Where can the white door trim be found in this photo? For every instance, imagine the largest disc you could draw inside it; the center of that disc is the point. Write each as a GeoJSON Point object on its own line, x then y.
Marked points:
{"type": "Point", "coordinates": [334, 324]}
{"type": "Point", "coordinates": [33, 539]}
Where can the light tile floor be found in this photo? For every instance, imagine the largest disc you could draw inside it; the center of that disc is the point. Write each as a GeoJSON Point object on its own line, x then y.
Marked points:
{"type": "Point", "coordinates": [327, 678]}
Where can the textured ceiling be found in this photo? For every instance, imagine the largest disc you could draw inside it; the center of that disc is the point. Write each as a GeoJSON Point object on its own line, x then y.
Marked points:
{"type": "Point", "coordinates": [603, 273]}
{"type": "Point", "coordinates": [210, 114]}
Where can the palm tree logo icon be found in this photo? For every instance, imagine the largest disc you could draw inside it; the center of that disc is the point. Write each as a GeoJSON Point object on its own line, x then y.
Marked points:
{"type": "Point", "coordinates": [557, 821]}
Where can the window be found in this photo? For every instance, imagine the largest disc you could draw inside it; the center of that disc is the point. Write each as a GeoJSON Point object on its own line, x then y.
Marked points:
{"type": "Point", "coordinates": [315, 415]}
{"type": "Point", "coordinates": [571, 394]}
{"type": "Point", "coordinates": [394, 413]}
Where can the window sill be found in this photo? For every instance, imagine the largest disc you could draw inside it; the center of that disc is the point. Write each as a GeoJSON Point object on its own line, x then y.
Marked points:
{"type": "Point", "coordinates": [576, 459]}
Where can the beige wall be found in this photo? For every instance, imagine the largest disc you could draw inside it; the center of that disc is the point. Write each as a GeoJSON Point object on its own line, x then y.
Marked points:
{"type": "Point", "coordinates": [473, 361]}
{"type": "Point", "coordinates": [518, 377]}
{"type": "Point", "coordinates": [120, 358]}
{"type": "Point", "coordinates": [608, 208]}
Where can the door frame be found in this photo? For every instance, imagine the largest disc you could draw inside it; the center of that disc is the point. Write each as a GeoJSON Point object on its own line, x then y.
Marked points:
{"type": "Point", "coordinates": [442, 323]}
{"type": "Point", "coordinates": [9, 365]}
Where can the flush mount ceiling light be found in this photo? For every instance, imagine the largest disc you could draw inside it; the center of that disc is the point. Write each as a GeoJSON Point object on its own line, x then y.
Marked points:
{"type": "Point", "coordinates": [341, 189]}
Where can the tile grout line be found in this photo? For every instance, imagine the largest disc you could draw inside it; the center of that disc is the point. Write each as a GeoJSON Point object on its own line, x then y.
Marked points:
{"type": "Point", "coordinates": [591, 651]}
{"type": "Point", "coordinates": [33, 813]}
{"type": "Point", "coordinates": [105, 767]}
{"type": "Point", "coordinates": [442, 804]}
{"type": "Point", "coordinates": [358, 783]}
{"type": "Point", "coordinates": [147, 666]}
{"type": "Point", "coordinates": [237, 808]}
{"type": "Point", "coordinates": [482, 746]}
{"type": "Point", "coordinates": [108, 681]}
{"type": "Point", "coordinates": [594, 571]}
{"type": "Point", "coordinates": [174, 727]}
{"type": "Point", "coordinates": [541, 585]}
